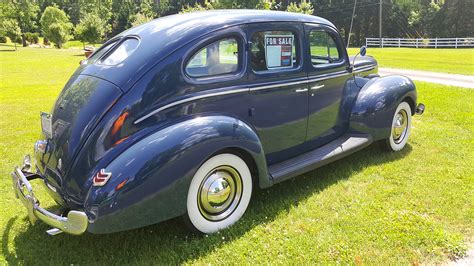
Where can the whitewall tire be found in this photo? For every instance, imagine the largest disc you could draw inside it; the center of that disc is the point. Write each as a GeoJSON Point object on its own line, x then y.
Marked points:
{"type": "Point", "coordinates": [400, 130]}
{"type": "Point", "coordinates": [219, 193]}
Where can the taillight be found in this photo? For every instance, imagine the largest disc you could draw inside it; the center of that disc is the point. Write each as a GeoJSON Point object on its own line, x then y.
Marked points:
{"type": "Point", "coordinates": [101, 178]}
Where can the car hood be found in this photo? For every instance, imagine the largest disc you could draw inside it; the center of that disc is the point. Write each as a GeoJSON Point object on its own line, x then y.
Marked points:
{"type": "Point", "coordinates": [363, 61]}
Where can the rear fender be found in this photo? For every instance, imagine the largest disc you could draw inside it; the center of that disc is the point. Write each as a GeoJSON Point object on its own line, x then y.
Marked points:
{"type": "Point", "coordinates": [375, 105]}
{"type": "Point", "coordinates": [150, 179]}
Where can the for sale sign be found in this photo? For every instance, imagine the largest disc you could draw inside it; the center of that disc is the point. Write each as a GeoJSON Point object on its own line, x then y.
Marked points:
{"type": "Point", "coordinates": [279, 51]}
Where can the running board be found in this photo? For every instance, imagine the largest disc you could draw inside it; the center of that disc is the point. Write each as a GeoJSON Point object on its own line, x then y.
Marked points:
{"type": "Point", "coordinates": [330, 152]}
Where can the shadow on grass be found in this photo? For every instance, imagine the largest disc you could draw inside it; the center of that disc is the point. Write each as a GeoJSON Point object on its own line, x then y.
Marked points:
{"type": "Point", "coordinates": [170, 241]}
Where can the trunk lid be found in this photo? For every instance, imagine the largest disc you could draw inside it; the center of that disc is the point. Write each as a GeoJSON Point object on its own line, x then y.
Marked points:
{"type": "Point", "coordinates": [80, 106]}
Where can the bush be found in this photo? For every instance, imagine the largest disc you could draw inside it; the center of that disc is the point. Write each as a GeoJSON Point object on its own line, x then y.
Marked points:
{"type": "Point", "coordinates": [3, 39]}
{"type": "Point", "coordinates": [32, 37]}
{"type": "Point", "coordinates": [91, 29]}
{"type": "Point", "coordinates": [45, 41]}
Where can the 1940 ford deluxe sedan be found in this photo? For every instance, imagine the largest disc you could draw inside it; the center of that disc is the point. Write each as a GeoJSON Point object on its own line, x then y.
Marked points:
{"type": "Point", "coordinates": [186, 114]}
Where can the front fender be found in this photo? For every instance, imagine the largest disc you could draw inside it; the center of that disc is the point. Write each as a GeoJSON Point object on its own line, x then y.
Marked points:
{"type": "Point", "coordinates": [375, 105]}
{"type": "Point", "coordinates": [154, 174]}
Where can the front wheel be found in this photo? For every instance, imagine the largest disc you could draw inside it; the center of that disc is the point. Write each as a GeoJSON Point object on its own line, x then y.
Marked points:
{"type": "Point", "coordinates": [400, 131]}
{"type": "Point", "coordinates": [219, 193]}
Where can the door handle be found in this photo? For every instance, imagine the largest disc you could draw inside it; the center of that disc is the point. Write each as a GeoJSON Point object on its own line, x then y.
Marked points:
{"type": "Point", "coordinates": [301, 90]}
{"type": "Point", "coordinates": [317, 87]}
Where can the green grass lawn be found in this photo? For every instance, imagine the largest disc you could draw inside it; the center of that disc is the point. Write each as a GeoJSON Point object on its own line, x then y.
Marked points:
{"type": "Point", "coordinates": [414, 206]}
{"type": "Point", "coordinates": [454, 61]}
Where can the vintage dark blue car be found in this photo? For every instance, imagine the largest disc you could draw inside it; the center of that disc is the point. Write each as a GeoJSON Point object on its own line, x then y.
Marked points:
{"type": "Point", "coordinates": [185, 115]}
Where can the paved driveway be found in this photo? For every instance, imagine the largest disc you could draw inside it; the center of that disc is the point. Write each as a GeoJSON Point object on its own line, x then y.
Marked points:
{"type": "Point", "coordinates": [434, 77]}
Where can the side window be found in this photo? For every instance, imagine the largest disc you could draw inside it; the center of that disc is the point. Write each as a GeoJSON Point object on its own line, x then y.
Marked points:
{"type": "Point", "coordinates": [218, 58]}
{"type": "Point", "coordinates": [323, 48]}
{"type": "Point", "coordinates": [274, 50]}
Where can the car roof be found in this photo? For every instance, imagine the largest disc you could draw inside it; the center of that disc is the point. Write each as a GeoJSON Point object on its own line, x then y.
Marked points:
{"type": "Point", "coordinates": [161, 37]}
{"type": "Point", "coordinates": [220, 18]}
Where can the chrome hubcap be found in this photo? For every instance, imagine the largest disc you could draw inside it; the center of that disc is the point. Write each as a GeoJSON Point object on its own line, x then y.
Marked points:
{"type": "Point", "coordinates": [220, 193]}
{"type": "Point", "coordinates": [400, 126]}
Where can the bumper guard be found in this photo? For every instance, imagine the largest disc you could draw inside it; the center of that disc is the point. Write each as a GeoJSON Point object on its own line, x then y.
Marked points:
{"type": "Point", "coordinates": [75, 223]}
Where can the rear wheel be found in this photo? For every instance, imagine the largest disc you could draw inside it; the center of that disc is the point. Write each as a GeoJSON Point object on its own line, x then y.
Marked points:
{"type": "Point", "coordinates": [400, 131]}
{"type": "Point", "coordinates": [219, 193]}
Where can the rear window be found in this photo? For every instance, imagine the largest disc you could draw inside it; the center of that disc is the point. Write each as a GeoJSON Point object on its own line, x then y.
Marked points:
{"type": "Point", "coordinates": [218, 58]}
{"type": "Point", "coordinates": [102, 50]}
{"type": "Point", "coordinates": [121, 52]}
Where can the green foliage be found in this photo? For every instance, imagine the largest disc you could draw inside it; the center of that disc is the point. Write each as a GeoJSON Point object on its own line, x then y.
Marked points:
{"type": "Point", "coordinates": [11, 29]}
{"type": "Point", "coordinates": [23, 12]}
{"type": "Point", "coordinates": [197, 7]}
{"type": "Point", "coordinates": [305, 7]}
{"type": "Point", "coordinates": [32, 37]}
{"type": "Point", "coordinates": [91, 29]}
{"type": "Point", "coordinates": [460, 18]}
{"type": "Point", "coordinates": [3, 39]}
{"type": "Point", "coordinates": [246, 4]}
{"type": "Point", "coordinates": [401, 18]}
{"type": "Point", "coordinates": [141, 19]}
{"type": "Point", "coordinates": [268, 5]}
{"type": "Point", "coordinates": [56, 26]}
{"type": "Point", "coordinates": [148, 9]}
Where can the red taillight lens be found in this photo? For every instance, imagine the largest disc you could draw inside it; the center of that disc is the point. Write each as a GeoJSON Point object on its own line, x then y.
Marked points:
{"type": "Point", "coordinates": [101, 178]}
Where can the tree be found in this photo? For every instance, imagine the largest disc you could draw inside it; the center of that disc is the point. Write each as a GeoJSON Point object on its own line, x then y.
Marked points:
{"type": "Point", "coordinates": [123, 13]}
{"type": "Point", "coordinates": [197, 7]}
{"type": "Point", "coordinates": [23, 12]}
{"type": "Point", "coordinates": [11, 29]}
{"type": "Point", "coordinates": [304, 7]}
{"type": "Point", "coordinates": [56, 26]}
{"type": "Point", "coordinates": [460, 22]}
{"type": "Point", "coordinates": [91, 29]}
{"type": "Point", "coordinates": [140, 19]}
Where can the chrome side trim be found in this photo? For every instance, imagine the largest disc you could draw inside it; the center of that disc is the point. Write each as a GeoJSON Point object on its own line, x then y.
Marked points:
{"type": "Point", "coordinates": [190, 99]}
{"type": "Point", "coordinates": [328, 76]}
{"type": "Point", "coordinates": [362, 69]}
{"type": "Point", "coordinates": [257, 88]}
{"type": "Point", "coordinates": [265, 87]}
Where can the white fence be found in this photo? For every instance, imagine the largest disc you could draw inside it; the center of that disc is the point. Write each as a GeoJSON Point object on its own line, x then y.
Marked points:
{"type": "Point", "coordinates": [421, 43]}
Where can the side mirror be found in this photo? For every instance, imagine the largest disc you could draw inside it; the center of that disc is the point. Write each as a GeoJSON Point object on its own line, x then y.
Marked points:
{"type": "Point", "coordinates": [363, 51]}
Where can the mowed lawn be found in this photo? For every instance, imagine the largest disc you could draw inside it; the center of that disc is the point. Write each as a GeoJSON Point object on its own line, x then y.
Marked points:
{"type": "Point", "coordinates": [454, 61]}
{"type": "Point", "coordinates": [373, 207]}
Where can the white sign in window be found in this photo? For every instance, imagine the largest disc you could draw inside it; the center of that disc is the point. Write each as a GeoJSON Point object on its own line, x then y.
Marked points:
{"type": "Point", "coordinates": [279, 51]}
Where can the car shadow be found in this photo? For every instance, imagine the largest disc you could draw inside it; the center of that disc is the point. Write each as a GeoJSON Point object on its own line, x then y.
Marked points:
{"type": "Point", "coordinates": [170, 241]}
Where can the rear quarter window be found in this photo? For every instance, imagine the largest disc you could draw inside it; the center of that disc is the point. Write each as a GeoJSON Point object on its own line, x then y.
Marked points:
{"type": "Point", "coordinates": [218, 58]}
{"type": "Point", "coordinates": [121, 52]}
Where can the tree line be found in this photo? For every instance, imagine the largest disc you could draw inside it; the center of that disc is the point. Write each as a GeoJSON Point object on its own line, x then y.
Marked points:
{"type": "Point", "coordinates": [93, 21]}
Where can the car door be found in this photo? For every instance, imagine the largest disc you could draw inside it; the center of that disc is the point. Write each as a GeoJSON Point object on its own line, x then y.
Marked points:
{"type": "Point", "coordinates": [328, 71]}
{"type": "Point", "coordinates": [278, 87]}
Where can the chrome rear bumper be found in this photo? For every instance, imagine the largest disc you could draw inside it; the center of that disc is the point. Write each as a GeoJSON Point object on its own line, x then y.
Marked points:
{"type": "Point", "coordinates": [75, 223]}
